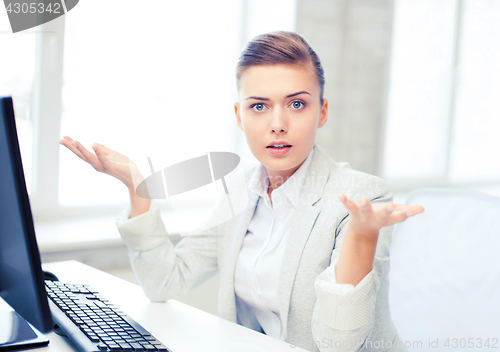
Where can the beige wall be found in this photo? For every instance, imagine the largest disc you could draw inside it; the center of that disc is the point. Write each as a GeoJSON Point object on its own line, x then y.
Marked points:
{"type": "Point", "coordinates": [353, 40]}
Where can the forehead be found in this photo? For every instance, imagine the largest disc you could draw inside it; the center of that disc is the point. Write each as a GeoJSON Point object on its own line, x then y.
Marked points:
{"type": "Point", "coordinates": [278, 80]}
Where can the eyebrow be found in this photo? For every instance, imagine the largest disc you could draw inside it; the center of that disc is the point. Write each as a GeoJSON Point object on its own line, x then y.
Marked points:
{"type": "Point", "coordinates": [288, 96]}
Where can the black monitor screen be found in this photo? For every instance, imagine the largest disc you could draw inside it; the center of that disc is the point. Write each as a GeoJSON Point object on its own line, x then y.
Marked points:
{"type": "Point", "coordinates": [21, 279]}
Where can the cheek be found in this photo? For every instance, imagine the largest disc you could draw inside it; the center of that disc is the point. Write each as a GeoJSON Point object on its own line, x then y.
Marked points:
{"type": "Point", "coordinates": [251, 124]}
{"type": "Point", "coordinates": [253, 131]}
{"type": "Point", "coordinates": [306, 124]}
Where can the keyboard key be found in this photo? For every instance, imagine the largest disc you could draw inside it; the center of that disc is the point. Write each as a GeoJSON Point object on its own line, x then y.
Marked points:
{"type": "Point", "coordinates": [149, 347]}
{"type": "Point", "coordinates": [126, 347]}
{"type": "Point", "coordinates": [102, 347]}
{"type": "Point", "coordinates": [137, 347]}
{"type": "Point", "coordinates": [100, 304]}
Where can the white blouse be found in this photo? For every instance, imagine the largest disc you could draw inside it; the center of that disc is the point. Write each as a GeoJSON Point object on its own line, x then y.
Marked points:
{"type": "Point", "coordinates": [258, 266]}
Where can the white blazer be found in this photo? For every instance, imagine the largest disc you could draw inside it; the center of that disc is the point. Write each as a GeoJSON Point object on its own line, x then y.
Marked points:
{"type": "Point", "coordinates": [317, 313]}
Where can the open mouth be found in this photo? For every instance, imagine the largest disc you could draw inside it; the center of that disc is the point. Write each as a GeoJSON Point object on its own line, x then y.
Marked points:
{"type": "Point", "coordinates": [279, 146]}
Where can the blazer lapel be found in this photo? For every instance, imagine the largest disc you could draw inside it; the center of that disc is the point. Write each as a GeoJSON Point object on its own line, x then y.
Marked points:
{"type": "Point", "coordinates": [235, 234]}
{"type": "Point", "coordinates": [302, 225]}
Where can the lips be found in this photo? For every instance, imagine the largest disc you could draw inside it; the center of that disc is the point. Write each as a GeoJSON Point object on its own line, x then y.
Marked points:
{"type": "Point", "coordinates": [279, 145]}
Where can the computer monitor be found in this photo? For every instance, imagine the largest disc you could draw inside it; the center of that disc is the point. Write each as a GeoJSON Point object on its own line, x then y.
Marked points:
{"type": "Point", "coordinates": [21, 275]}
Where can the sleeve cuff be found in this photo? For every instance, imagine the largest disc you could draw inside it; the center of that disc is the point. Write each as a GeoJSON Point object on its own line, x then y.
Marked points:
{"type": "Point", "coordinates": [143, 232]}
{"type": "Point", "coordinates": [343, 288]}
{"type": "Point", "coordinates": [344, 306]}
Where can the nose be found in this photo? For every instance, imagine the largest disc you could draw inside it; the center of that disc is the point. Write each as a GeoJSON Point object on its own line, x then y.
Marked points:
{"type": "Point", "coordinates": [279, 121]}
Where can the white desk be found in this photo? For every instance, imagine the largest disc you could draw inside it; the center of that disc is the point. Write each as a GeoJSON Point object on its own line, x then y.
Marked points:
{"type": "Point", "coordinates": [180, 327]}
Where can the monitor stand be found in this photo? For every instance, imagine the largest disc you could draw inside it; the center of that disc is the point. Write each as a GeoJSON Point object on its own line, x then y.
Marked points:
{"type": "Point", "coordinates": [17, 333]}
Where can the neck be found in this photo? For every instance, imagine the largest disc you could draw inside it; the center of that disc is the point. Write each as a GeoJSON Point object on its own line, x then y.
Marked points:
{"type": "Point", "coordinates": [279, 177]}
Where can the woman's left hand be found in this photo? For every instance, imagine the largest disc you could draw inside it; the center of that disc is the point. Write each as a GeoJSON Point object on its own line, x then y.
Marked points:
{"type": "Point", "coordinates": [366, 220]}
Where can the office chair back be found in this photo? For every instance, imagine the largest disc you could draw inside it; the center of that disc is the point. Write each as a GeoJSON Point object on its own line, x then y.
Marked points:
{"type": "Point", "coordinates": [445, 272]}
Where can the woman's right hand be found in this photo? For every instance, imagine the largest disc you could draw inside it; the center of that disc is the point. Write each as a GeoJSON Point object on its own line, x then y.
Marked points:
{"type": "Point", "coordinates": [107, 161]}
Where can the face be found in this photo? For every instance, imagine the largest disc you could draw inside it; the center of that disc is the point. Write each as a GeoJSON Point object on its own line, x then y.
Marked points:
{"type": "Point", "coordinates": [280, 104]}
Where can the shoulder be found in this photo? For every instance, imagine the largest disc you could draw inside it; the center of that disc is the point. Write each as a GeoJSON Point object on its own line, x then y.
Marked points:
{"type": "Point", "coordinates": [353, 183]}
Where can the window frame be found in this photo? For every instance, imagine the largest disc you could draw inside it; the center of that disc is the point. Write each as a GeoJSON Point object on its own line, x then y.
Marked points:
{"type": "Point", "coordinates": [46, 114]}
{"type": "Point", "coordinates": [443, 179]}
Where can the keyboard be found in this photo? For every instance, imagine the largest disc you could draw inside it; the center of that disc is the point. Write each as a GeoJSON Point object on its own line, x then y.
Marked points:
{"type": "Point", "coordinates": [93, 324]}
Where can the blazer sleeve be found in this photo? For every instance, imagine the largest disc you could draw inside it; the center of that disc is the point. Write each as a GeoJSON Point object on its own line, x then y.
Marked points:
{"type": "Point", "coordinates": [345, 315]}
{"type": "Point", "coordinates": [165, 271]}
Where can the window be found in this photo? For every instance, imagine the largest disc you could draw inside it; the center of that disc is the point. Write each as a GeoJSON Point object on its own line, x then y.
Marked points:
{"type": "Point", "coordinates": [443, 112]}
{"type": "Point", "coordinates": [154, 82]}
{"type": "Point", "coordinates": [17, 65]}
{"type": "Point", "coordinates": [151, 80]}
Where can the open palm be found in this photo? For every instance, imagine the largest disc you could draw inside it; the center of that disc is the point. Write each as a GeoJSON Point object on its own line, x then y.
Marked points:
{"type": "Point", "coordinates": [367, 219]}
{"type": "Point", "coordinates": [107, 161]}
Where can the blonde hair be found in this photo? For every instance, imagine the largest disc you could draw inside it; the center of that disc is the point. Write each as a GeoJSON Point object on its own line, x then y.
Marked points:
{"type": "Point", "coordinates": [280, 47]}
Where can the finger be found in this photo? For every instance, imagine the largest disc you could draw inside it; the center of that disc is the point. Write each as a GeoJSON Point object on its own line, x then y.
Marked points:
{"type": "Point", "coordinates": [387, 210]}
{"type": "Point", "coordinates": [72, 147]}
{"type": "Point", "coordinates": [397, 216]}
{"type": "Point", "coordinates": [65, 139]}
{"type": "Point", "coordinates": [80, 149]}
{"type": "Point", "coordinates": [89, 157]}
{"type": "Point", "coordinates": [350, 205]}
{"type": "Point", "coordinates": [100, 155]}
{"type": "Point", "coordinates": [102, 148]}
{"type": "Point", "coordinates": [412, 209]}
{"type": "Point", "coordinates": [365, 206]}
{"type": "Point", "coordinates": [415, 209]}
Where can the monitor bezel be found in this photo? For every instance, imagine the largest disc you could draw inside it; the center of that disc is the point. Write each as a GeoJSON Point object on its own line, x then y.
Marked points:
{"type": "Point", "coordinates": [46, 325]}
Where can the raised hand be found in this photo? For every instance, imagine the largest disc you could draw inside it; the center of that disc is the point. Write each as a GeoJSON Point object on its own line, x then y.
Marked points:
{"type": "Point", "coordinates": [366, 220]}
{"type": "Point", "coordinates": [106, 161]}
{"type": "Point", "coordinates": [361, 235]}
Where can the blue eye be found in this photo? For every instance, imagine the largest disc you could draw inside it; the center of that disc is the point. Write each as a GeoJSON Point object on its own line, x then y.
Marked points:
{"type": "Point", "coordinates": [257, 107]}
{"type": "Point", "coordinates": [297, 105]}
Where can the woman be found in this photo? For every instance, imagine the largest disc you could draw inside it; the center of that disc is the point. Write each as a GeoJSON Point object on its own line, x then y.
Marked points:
{"type": "Point", "coordinates": [303, 262]}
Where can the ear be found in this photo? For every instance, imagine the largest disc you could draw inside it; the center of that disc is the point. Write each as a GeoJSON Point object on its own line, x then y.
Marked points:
{"type": "Point", "coordinates": [323, 117]}
{"type": "Point", "coordinates": [237, 112]}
